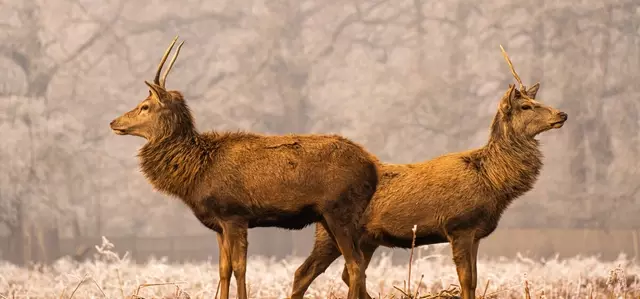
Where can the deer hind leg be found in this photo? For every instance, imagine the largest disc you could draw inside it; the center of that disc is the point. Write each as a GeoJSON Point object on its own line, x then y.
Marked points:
{"type": "Point", "coordinates": [474, 262]}
{"type": "Point", "coordinates": [224, 267]}
{"type": "Point", "coordinates": [368, 250]}
{"type": "Point", "coordinates": [347, 238]}
{"type": "Point", "coordinates": [462, 248]}
{"type": "Point", "coordinates": [239, 258]}
{"type": "Point", "coordinates": [323, 254]}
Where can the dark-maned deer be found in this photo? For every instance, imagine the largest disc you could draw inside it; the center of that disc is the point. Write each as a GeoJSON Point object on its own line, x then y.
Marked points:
{"type": "Point", "coordinates": [456, 198]}
{"type": "Point", "coordinates": [236, 181]}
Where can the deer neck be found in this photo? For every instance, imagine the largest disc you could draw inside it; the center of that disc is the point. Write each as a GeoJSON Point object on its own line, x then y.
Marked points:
{"type": "Point", "coordinates": [512, 164]}
{"type": "Point", "coordinates": [174, 164]}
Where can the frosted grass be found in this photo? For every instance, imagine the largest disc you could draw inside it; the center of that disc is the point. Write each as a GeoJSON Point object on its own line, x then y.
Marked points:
{"type": "Point", "coordinates": [118, 277]}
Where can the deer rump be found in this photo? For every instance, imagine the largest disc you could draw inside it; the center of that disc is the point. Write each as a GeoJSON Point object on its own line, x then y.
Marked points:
{"type": "Point", "coordinates": [439, 196]}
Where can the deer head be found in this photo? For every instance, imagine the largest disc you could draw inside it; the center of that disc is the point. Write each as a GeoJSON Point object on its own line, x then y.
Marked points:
{"type": "Point", "coordinates": [163, 113]}
{"type": "Point", "coordinates": [521, 114]}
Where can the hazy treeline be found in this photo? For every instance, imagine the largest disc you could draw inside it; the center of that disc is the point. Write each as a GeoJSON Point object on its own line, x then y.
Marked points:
{"type": "Point", "coordinates": [409, 79]}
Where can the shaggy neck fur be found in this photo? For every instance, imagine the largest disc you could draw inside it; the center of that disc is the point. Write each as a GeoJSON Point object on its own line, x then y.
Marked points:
{"type": "Point", "coordinates": [174, 161]}
{"type": "Point", "coordinates": [511, 162]}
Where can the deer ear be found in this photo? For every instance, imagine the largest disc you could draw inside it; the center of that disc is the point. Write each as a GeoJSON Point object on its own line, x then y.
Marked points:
{"type": "Point", "coordinates": [508, 99]}
{"type": "Point", "coordinates": [533, 90]}
{"type": "Point", "coordinates": [157, 92]}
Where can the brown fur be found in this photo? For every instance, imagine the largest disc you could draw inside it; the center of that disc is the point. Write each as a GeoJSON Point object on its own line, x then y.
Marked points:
{"type": "Point", "coordinates": [236, 181]}
{"type": "Point", "coordinates": [456, 198]}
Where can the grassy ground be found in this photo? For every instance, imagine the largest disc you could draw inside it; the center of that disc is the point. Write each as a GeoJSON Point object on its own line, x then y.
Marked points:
{"type": "Point", "coordinates": [112, 276]}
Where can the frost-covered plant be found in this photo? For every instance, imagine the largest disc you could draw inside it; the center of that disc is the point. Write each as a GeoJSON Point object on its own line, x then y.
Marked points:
{"type": "Point", "coordinates": [119, 277]}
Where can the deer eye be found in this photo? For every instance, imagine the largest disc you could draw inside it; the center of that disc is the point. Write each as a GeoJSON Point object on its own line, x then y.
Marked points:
{"type": "Point", "coordinates": [144, 107]}
{"type": "Point", "coordinates": [526, 107]}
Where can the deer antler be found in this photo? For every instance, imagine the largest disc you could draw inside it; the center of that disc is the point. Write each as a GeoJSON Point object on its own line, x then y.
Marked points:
{"type": "Point", "coordinates": [173, 60]}
{"type": "Point", "coordinates": [156, 79]}
{"type": "Point", "coordinates": [523, 90]}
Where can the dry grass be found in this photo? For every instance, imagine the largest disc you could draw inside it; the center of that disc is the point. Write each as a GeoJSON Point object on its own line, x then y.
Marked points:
{"type": "Point", "coordinates": [112, 276]}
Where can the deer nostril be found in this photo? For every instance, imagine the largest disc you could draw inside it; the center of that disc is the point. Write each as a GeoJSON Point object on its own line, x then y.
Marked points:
{"type": "Point", "coordinates": [563, 115]}
{"type": "Point", "coordinates": [112, 122]}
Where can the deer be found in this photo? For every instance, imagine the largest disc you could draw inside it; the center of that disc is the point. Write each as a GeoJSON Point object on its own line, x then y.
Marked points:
{"type": "Point", "coordinates": [456, 198]}
{"type": "Point", "coordinates": [233, 181]}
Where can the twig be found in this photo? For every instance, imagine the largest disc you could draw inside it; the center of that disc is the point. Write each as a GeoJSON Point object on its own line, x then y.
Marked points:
{"type": "Point", "coordinates": [504, 289]}
{"type": "Point", "coordinates": [401, 291]}
{"type": "Point", "coordinates": [217, 289]}
{"type": "Point", "coordinates": [120, 283]}
{"type": "Point", "coordinates": [144, 285]}
{"type": "Point", "coordinates": [77, 286]}
{"type": "Point", "coordinates": [513, 71]}
{"type": "Point", "coordinates": [60, 297]}
{"type": "Point", "coordinates": [526, 290]}
{"type": "Point", "coordinates": [447, 293]}
{"type": "Point", "coordinates": [99, 288]}
{"type": "Point", "coordinates": [413, 245]}
{"type": "Point", "coordinates": [418, 287]}
{"type": "Point", "coordinates": [486, 287]}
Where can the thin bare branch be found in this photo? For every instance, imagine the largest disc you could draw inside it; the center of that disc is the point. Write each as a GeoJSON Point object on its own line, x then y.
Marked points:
{"type": "Point", "coordinates": [99, 33]}
{"type": "Point", "coordinates": [172, 21]}
{"type": "Point", "coordinates": [77, 286]}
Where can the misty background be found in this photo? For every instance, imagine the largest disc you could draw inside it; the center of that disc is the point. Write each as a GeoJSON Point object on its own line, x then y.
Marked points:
{"type": "Point", "coordinates": [408, 79]}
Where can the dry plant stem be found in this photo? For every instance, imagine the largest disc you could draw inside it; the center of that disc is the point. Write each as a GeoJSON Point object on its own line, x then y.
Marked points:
{"type": "Point", "coordinates": [526, 290]}
{"type": "Point", "coordinates": [504, 289]}
{"type": "Point", "coordinates": [401, 291]}
{"type": "Point", "coordinates": [120, 284]}
{"type": "Point", "coordinates": [486, 287]}
{"type": "Point", "coordinates": [418, 287]}
{"type": "Point", "coordinates": [77, 286]}
{"type": "Point", "coordinates": [179, 292]}
{"type": "Point", "coordinates": [578, 286]}
{"type": "Point", "coordinates": [99, 288]}
{"type": "Point", "coordinates": [413, 245]}
{"type": "Point", "coordinates": [217, 290]}
{"type": "Point", "coordinates": [144, 285]}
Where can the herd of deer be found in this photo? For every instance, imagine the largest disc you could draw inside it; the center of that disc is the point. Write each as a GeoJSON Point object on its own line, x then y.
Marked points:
{"type": "Point", "coordinates": [234, 181]}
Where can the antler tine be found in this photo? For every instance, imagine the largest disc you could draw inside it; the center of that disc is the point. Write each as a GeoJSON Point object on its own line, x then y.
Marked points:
{"type": "Point", "coordinates": [156, 79]}
{"type": "Point", "coordinates": [173, 60]}
{"type": "Point", "coordinates": [513, 71]}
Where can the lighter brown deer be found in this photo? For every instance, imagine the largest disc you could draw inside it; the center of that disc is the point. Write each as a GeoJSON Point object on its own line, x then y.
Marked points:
{"type": "Point", "coordinates": [456, 198]}
{"type": "Point", "coordinates": [236, 181]}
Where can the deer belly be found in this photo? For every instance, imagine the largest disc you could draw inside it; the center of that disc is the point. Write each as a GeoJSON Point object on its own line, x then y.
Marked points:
{"type": "Point", "coordinates": [289, 219]}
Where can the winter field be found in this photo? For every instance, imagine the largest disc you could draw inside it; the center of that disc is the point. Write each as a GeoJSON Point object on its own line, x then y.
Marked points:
{"type": "Point", "coordinates": [108, 275]}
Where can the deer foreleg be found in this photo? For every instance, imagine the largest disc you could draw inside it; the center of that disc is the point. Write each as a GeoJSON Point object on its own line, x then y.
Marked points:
{"type": "Point", "coordinates": [239, 258]}
{"type": "Point", "coordinates": [224, 262]}
{"type": "Point", "coordinates": [462, 248]}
